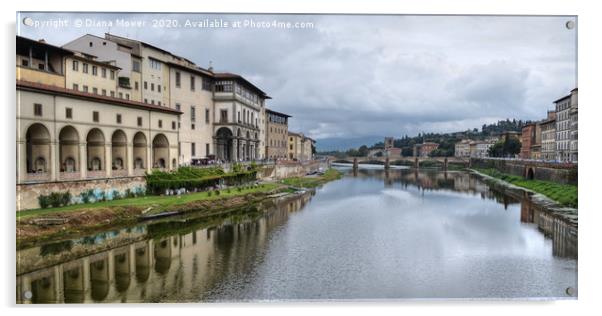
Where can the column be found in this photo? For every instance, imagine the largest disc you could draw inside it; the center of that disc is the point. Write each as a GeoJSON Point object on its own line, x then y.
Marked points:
{"type": "Point", "coordinates": [108, 161]}
{"type": "Point", "coordinates": [83, 161]}
{"type": "Point", "coordinates": [234, 149]}
{"type": "Point", "coordinates": [22, 161]}
{"type": "Point", "coordinates": [149, 155]}
{"type": "Point", "coordinates": [54, 163]}
{"type": "Point", "coordinates": [129, 156]}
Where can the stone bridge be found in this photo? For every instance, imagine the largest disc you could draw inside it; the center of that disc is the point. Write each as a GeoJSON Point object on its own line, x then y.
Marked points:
{"type": "Point", "coordinates": [403, 161]}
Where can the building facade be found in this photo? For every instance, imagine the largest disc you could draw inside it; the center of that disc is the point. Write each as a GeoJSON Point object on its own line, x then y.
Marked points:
{"type": "Point", "coordinates": [424, 149]}
{"type": "Point", "coordinates": [548, 137]}
{"type": "Point", "coordinates": [300, 147]}
{"type": "Point", "coordinates": [527, 140]}
{"type": "Point", "coordinates": [574, 125]}
{"type": "Point", "coordinates": [65, 134]}
{"type": "Point", "coordinates": [563, 128]}
{"type": "Point", "coordinates": [462, 148]}
{"type": "Point", "coordinates": [277, 135]}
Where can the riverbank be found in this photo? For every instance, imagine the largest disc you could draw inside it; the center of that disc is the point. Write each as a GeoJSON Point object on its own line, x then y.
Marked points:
{"type": "Point", "coordinates": [564, 194]}
{"type": "Point", "coordinates": [58, 223]}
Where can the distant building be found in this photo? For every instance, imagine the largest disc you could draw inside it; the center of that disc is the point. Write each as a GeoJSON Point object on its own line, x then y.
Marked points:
{"type": "Point", "coordinates": [480, 149]}
{"type": "Point", "coordinates": [536, 145]}
{"type": "Point", "coordinates": [277, 134]}
{"type": "Point", "coordinates": [389, 142]}
{"type": "Point", "coordinates": [527, 140]}
{"type": "Point", "coordinates": [563, 128]}
{"type": "Point", "coordinates": [548, 137]}
{"type": "Point", "coordinates": [573, 124]}
{"type": "Point", "coordinates": [462, 148]}
{"type": "Point", "coordinates": [424, 149]}
{"type": "Point", "coordinates": [300, 147]}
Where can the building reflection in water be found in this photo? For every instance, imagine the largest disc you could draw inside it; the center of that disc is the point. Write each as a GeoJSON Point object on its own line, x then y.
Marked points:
{"type": "Point", "coordinates": [184, 265]}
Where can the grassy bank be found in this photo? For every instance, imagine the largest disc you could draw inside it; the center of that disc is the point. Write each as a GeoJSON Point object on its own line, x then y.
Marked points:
{"type": "Point", "coordinates": [313, 180]}
{"type": "Point", "coordinates": [86, 218]}
{"type": "Point", "coordinates": [564, 194]}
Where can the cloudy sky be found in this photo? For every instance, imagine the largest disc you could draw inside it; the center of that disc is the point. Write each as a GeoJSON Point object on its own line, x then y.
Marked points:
{"type": "Point", "coordinates": [368, 76]}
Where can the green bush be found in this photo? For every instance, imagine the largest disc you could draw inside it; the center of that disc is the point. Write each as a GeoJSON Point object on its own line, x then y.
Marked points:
{"type": "Point", "coordinates": [195, 178]}
{"type": "Point", "coordinates": [54, 199]}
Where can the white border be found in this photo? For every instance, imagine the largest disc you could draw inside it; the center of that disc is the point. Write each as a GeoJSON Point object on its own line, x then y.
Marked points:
{"type": "Point", "coordinates": [589, 56]}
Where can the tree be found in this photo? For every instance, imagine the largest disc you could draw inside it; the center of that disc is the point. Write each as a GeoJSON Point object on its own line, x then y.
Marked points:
{"type": "Point", "coordinates": [363, 150]}
{"type": "Point", "coordinates": [505, 148]}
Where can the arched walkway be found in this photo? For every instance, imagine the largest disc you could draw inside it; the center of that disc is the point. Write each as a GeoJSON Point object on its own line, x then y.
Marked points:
{"type": "Point", "coordinates": [160, 151]}
{"type": "Point", "coordinates": [118, 151]}
{"type": "Point", "coordinates": [37, 140]}
{"type": "Point", "coordinates": [69, 149]}
{"type": "Point", "coordinates": [95, 150]}
{"type": "Point", "coordinates": [530, 175]}
{"type": "Point", "coordinates": [140, 149]}
{"type": "Point", "coordinates": [223, 140]}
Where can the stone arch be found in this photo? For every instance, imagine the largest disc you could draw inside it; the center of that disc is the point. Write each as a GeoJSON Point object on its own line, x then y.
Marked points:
{"type": "Point", "coordinates": [162, 256]}
{"type": "Point", "coordinates": [95, 150]}
{"type": "Point", "coordinates": [160, 151]}
{"type": "Point", "coordinates": [122, 271]}
{"type": "Point", "coordinates": [37, 142]}
{"type": "Point", "coordinates": [529, 173]}
{"type": "Point", "coordinates": [74, 285]}
{"type": "Point", "coordinates": [142, 262]}
{"type": "Point", "coordinates": [118, 150]}
{"type": "Point", "coordinates": [69, 149]}
{"type": "Point", "coordinates": [140, 149]}
{"type": "Point", "coordinates": [223, 139]}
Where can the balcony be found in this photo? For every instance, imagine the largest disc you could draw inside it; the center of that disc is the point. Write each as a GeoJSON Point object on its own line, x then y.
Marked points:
{"type": "Point", "coordinates": [37, 177]}
{"type": "Point", "coordinates": [76, 175]}
{"type": "Point", "coordinates": [96, 174]}
{"type": "Point", "coordinates": [119, 173]}
{"type": "Point", "coordinates": [40, 76]}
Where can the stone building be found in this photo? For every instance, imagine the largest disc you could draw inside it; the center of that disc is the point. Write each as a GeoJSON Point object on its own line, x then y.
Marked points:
{"type": "Point", "coordinates": [277, 135]}
{"type": "Point", "coordinates": [462, 148]}
{"type": "Point", "coordinates": [300, 147]}
{"type": "Point", "coordinates": [66, 134]}
{"type": "Point", "coordinates": [424, 149]}
{"type": "Point", "coordinates": [223, 113]}
{"type": "Point", "coordinates": [527, 140]}
{"type": "Point", "coordinates": [573, 119]}
{"type": "Point", "coordinates": [548, 137]}
{"type": "Point", "coordinates": [563, 128]}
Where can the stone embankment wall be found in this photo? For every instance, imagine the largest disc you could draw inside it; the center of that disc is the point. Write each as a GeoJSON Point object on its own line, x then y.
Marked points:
{"type": "Point", "coordinates": [565, 173]}
{"type": "Point", "coordinates": [27, 194]}
{"type": "Point", "coordinates": [282, 170]}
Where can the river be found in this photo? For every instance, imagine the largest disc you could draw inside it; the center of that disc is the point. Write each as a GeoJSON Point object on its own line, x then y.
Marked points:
{"type": "Point", "coordinates": [400, 234]}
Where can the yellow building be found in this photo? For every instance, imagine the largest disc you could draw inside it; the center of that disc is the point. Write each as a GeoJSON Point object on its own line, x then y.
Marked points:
{"type": "Point", "coordinates": [277, 135]}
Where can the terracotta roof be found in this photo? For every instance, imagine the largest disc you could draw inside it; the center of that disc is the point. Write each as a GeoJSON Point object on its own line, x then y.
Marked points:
{"type": "Point", "coordinates": [560, 99]}
{"type": "Point", "coordinates": [277, 113]}
{"type": "Point", "coordinates": [28, 85]}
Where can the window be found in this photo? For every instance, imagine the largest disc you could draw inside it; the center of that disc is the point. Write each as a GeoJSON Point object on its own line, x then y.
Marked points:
{"type": "Point", "coordinates": [224, 86]}
{"type": "Point", "coordinates": [112, 74]}
{"type": "Point", "coordinates": [127, 96]}
{"type": "Point", "coordinates": [145, 100]}
{"type": "Point", "coordinates": [103, 72]}
{"type": "Point", "coordinates": [224, 116]}
{"type": "Point", "coordinates": [91, 44]}
{"type": "Point", "coordinates": [69, 113]}
{"type": "Point", "coordinates": [85, 68]}
{"type": "Point", "coordinates": [153, 102]}
{"type": "Point", "coordinates": [41, 66]}
{"type": "Point", "coordinates": [104, 92]}
{"type": "Point", "coordinates": [178, 106]}
{"type": "Point", "coordinates": [136, 66]}
{"type": "Point", "coordinates": [118, 118]}
{"type": "Point", "coordinates": [95, 116]}
{"type": "Point", "coordinates": [139, 120]}
{"type": "Point", "coordinates": [173, 125]}
{"type": "Point", "coordinates": [113, 94]}
{"type": "Point", "coordinates": [155, 64]}
{"type": "Point", "coordinates": [145, 85]}
{"type": "Point", "coordinates": [177, 79]}
{"type": "Point", "coordinates": [95, 90]}
{"type": "Point", "coordinates": [152, 87]}
{"type": "Point", "coordinates": [206, 84]}
{"type": "Point", "coordinates": [75, 65]}
{"type": "Point", "coordinates": [160, 123]}
{"type": "Point", "coordinates": [121, 95]}
{"type": "Point", "coordinates": [207, 116]}
{"type": "Point", "coordinates": [85, 88]}
{"type": "Point", "coordinates": [207, 150]}
{"type": "Point", "coordinates": [24, 62]}
{"type": "Point", "coordinates": [159, 88]}
{"type": "Point", "coordinates": [75, 86]}
{"type": "Point", "coordinates": [37, 109]}
{"type": "Point", "coordinates": [192, 126]}
{"type": "Point", "coordinates": [193, 149]}
{"type": "Point", "coordinates": [136, 85]}
{"type": "Point", "coordinates": [192, 83]}
{"type": "Point", "coordinates": [192, 114]}
{"type": "Point", "coordinates": [159, 102]}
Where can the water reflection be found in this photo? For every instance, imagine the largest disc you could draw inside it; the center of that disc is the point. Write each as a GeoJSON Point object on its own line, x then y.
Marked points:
{"type": "Point", "coordinates": [373, 234]}
{"type": "Point", "coordinates": [153, 269]}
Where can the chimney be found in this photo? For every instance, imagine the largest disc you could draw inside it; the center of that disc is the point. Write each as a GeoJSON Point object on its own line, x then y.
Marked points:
{"type": "Point", "coordinates": [210, 66]}
{"type": "Point", "coordinates": [41, 40]}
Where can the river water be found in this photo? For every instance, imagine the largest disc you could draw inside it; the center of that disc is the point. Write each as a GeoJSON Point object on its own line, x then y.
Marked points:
{"type": "Point", "coordinates": [371, 235]}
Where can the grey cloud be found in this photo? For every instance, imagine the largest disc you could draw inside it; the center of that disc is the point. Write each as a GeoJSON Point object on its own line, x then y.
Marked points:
{"type": "Point", "coordinates": [354, 76]}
